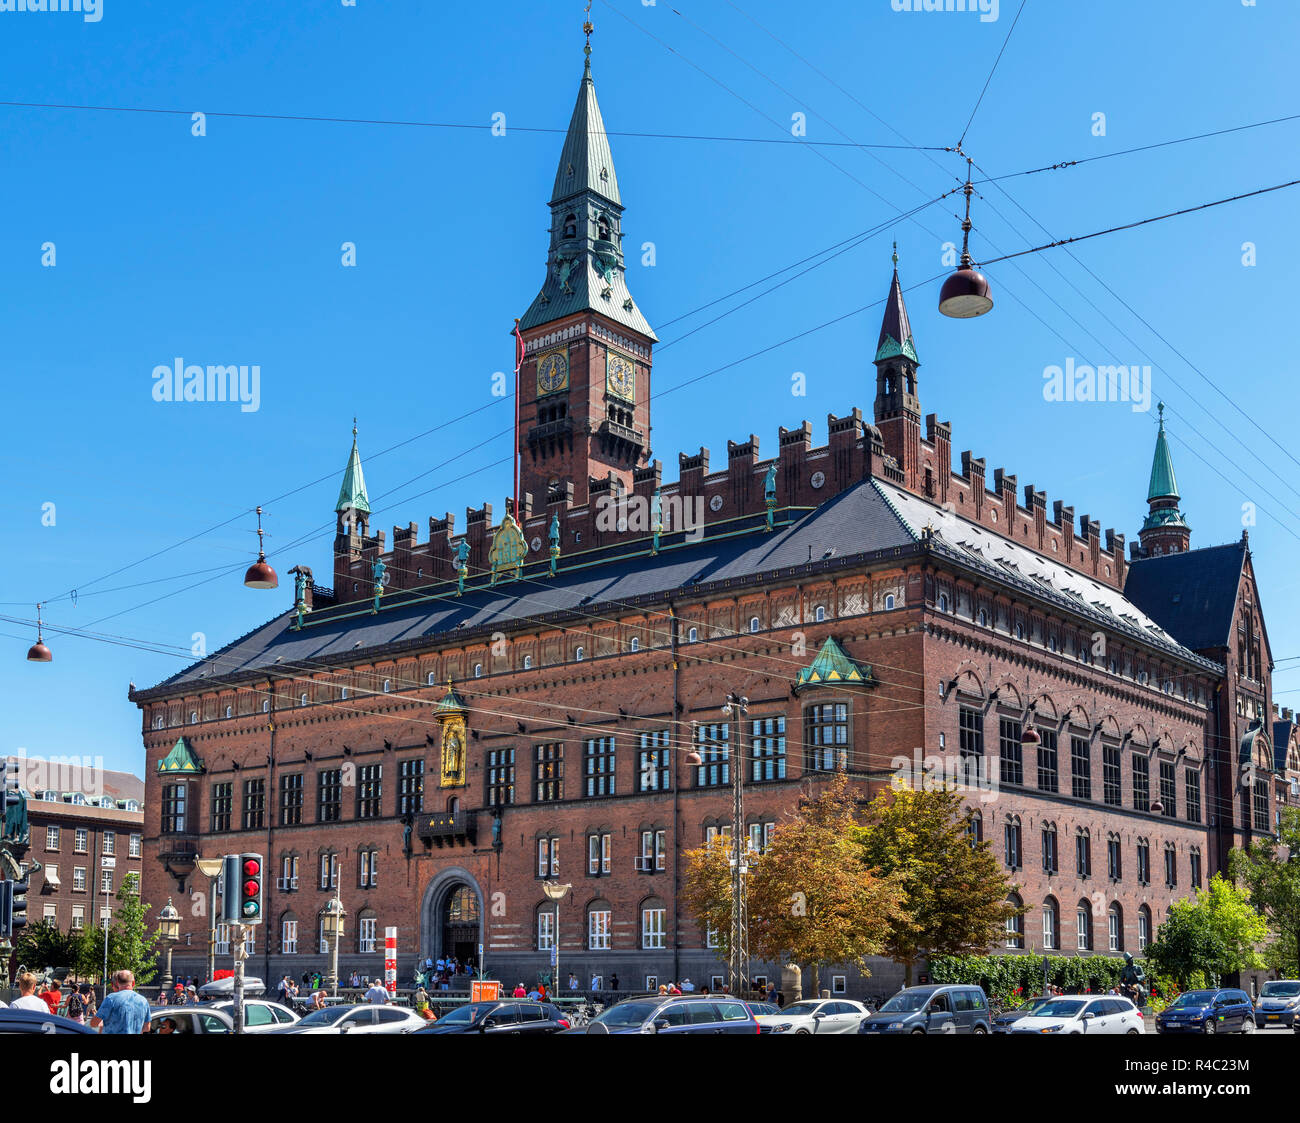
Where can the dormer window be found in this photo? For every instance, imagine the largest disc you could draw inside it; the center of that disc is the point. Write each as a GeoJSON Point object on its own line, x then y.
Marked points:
{"type": "Point", "coordinates": [889, 602]}
{"type": "Point", "coordinates": [528, 662]}
{"type": "Point", "coordinates": [753, 624]}
{"type": "Point", "coordinates": [388, 685]}
{"type": "Point", "coordinates": [579, 654]}
{"type": "Point", "coordinates": [692, 635]}
{"type": "Point", "coordinates": [634, 644]}
{"type": "Point", "coordinates": [478, 670]}
{"type": "Point", "coordinates": [819, 614]}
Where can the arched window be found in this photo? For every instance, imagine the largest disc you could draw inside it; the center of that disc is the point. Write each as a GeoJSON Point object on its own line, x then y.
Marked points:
{"type": "Point", "coordinates": [1051, 925]}
{"type": "Point", "coordinates": [1020, 630]}
{"type": "Point", "coordinates": [343, 693]}
{"type": "Point", "coordinates": [545, 926]}
{"type": "Point", "coordinates": [579, 654]}
{"type": "Point", "coordinates": [570, 225]}
{"type": "Point", "coordinates": [983, 619]}
{"type": "Point", "coordinates": [943, 602]}
{"type": "Point", "coordinates": [266, 705]}
{"type": "Point", "coordinates": [602, 228]}
{"type": "Point", "coordinates": [599, 926]}
{"type": "Point", "coordinates": [430, 679]}
{"type": "Point", "coordinates": [889, 602]}
{"type": "Point", "coordinates": [1015, 924]}
{"type": "Point", "coordinates": [228, 711]}
{"type": "Point", "coordinates": [819, 614]}
{"type": "Point", "coordinates": [302, 699]}
{"type": "Point", "coordinates": [528, 662]}
{"type": "Point", "coordinates": [634, 644]}
{"type": "Point", "coordinates": [1083, 925]}
{"type": "Point", "coordinates": [388, 685]}
{"type": "Point", "coordinates": [1144, 927]}
{"type": "Point", "coordinates": [692, 635]}
{"type": "Point", "coordinates": [1115, 925]}
{"type": "Point", "coordinates": [478, 670]}
{"type": "Point", "coordinates": [194, 716]}
{"type": "Point", "coordinates": [753, 624]}
{"type": "Point", "coordinates": [158, 722]}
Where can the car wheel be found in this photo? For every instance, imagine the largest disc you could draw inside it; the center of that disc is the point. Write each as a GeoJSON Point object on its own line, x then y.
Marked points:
{"type": "Point", "coordinates": [803, 1031]}
{"type": "Point", "coordinates": [980, 1030]}
{"type": "Point", "coordinates": [917, 1032]}
{"type": "Point", "coordinates": [1210, 1026]}
{"type": "Point", "coordinates": [1248, 1026]}
{"type": "Point", "coordinates": [1132, 1031]}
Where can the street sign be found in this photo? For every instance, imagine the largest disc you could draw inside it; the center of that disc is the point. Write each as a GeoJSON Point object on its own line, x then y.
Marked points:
{"type": "Point", "coordinates": [484, 990]}
{"type": "Point", "coordinates": [107, 863]}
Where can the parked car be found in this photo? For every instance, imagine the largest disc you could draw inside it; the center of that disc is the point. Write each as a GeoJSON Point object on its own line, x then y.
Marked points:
{"type": "Point", "coordinates": [932, 1009]}
{"type": "Point", "coordinates": [189, 1019]}
{"type": "Point", "coordinates": [657, 1013]}
{"type": "Point", "coordinates": [758, 1009]}
{"type": "Point", "coordinates": [225, 988]}
{"type": "Point", "coordinates": [818, 1015]}
{"type": "Point", "coordinates": [1225, 1010]}
{"type": "Point", "coordinates": [1075, 1014]}
{"type": "Point", "coordinates": [1279, 1004]}
{"type": "Point", "coordinates": [515, 1018]}
{"type": "Point", "coordinates": [1004, 1020]}
{"type": "Point", "coordinates": [260, 1014]}
{"type": "Point", "coordinates": [34, 1021]}
{"type": "Point", "coordinates": [355, 1019]}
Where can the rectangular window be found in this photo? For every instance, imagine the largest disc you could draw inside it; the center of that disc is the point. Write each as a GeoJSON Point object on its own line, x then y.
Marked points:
{"type": "Point", "coordinates": [110, 843]}
{"type": "Point", "coordinates": [410, 786]}
{"type": "Point", "coordinates": [598, 930]}
{"type": "Point", "coordinates": [1141, 783]}
{"type": "Point", "coordinates": [291, 799]}
{"type": "Point", "coordinates": [760, 834]}
{"type": "Point", "coordinates": [222, 938]}
{"type": "Point", "coordinates": [597, 854]}
{"type": "Point", "coordinates": [1144, 863]}
{"type": "Point", "coordinates": [710, 833]}
{"type": "Point", "coordinates": [652, 851]}
{"type": "Point", "coordinates": [1168, 789]}
{"type": "Point", "coordinates": [1171, 867]}
{"type": "Point", "coordinates": [51, 838]}
{"type": "Point", "coordinates": [367, 929]}
{"type": "Point", "coordinates": [369, 868]}
{"type": "Point", "coordinates": [329, 795]}
{"type": "Point", "coordinates": [254, 804]}
{"type": "Point", "coordinates": [80, 840]}
{"type": "Point", "coordinates": [652, 929]}
{"type": "Point", "coordinates": [1011, 845]}
{"type": "Point", "coordinates": [652, 761]}
{"type": "Point", "coordinates": [78, 917]}
{"type": "Point", "coordinates": [1010, 751]}
{"type": "Point", "coordinates": [1114, 860]}
{"type": "Point", "coordinates": [174, 812]}
{"type": "Point", "coordinates": [1115, 935]}
{"type": "Point", "coordinates": [288, 937]}
{"type": "Point", "coordinates": [545, 929]}
{"type": "Point", "coordinates": [79, 879]}
{"type": "Point", "coordinates": [548, 772]}
{"type": "Point", "coordinates": [711, 938]}
{"type": "Point", "coordinates": [1080, 768]}
{"type": "Point", "coordinates": [370, 791]}
{"type": "Point", "coordinates": [970, 731]}
{"type": "Point", "coordinates": [598, 766]}
{"type": "Point", "coordinates": [1194, 867]}
{"type": "Point", "coordinates": [329, 871]}
{"type": "Point", "coordinates": [548, 857]}
{"type": "Point", "coordinates": [500, 777]}
{"type": "Point", "coordinates": [1049, 851]}
{"type": "Point", "coordinates": [1193, 795]}
{"type": "Point", "coordinates": [1048, 775]}
{"type": "Point", "coordinates": [826, 737]}
{"type": "Point", "coordinates": [288, 873]}
{"type": "Point", "coordinates": [223, 805]}
{"type": "Point", "coordinates": [1049, 928]}
{"type": "Point", "coordinates": [1110, 776]}
{"type": "Point", "coordinates": [133, 846]}
{"type": "Point", "coordinates": [106, 882]}
{"type": "Point", "coordinates": [1083, 855]}
{"type": "Point", "coordinates": [767, 749]}
{"type": "Point", "coordinates": [1261, 805]}
{"type": "Point", "coordinates": [713, 743]}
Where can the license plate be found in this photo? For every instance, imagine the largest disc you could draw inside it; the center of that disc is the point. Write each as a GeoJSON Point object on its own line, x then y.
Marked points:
{"type": "Point", "coordinates": [1274, 1017]}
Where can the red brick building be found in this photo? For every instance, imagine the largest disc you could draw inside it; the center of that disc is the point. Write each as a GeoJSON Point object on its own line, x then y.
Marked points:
{"type": "Point", "coordinates": [884, 615]}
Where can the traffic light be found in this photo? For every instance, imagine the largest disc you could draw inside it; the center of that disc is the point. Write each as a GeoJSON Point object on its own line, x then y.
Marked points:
{"type": "Point", "coordinates": [6, 907]}
{"type": "Point", "coordinates": [241, 888]}
{"type": "Point", "coordinates": [13, 908]}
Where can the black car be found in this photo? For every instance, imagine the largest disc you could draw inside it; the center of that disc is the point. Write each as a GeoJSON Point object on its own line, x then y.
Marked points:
{"type": "Point", "coordinates": [515, 1017]}
{"type": "Point", "coordinates": [679, 1013]}
{"type": "Point", "coordinates": [33, 1021]}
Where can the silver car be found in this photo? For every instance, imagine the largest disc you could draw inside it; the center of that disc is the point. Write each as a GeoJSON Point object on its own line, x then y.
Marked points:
{"type": "Point", "coordinates": [260, 1014]}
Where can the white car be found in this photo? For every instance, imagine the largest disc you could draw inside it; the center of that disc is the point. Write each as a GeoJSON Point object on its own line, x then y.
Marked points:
{"type": "Point", "coordinates": [1082, 1014]}
{"type": "Point", "coordinates": [356, 1019]}
{"type": "Point", "coordinates": [260, 1015]}
{"type": "Point", "coordinates": [823, 1015]}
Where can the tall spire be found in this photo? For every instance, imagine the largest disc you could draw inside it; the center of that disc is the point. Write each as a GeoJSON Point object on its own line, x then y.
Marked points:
{"type": "Point", "coordinates": [1164, 530]}
{"type": "Point", "coordinates": [352, 495]}
{"type": "Point", "coordinates": [895, 330]}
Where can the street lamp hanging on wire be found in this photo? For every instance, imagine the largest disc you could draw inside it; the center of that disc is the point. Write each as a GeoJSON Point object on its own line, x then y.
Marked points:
{"type": "Point", "coordinates": [965, 294]}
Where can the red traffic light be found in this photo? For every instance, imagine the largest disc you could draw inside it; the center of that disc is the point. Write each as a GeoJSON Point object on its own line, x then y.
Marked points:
{"type": "Point", "coordinates": [251, 888]}
{"type": "Point", "coordinates": [252, 867]}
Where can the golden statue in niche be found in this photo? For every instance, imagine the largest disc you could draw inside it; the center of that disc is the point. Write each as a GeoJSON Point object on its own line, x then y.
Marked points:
{"type": "Point", "coordinates": [451, 715]}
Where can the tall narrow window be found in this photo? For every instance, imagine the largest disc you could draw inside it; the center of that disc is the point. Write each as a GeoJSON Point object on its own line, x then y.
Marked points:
{"type": "Point", "coordinates": [1192, 795]}
{"type": "Point", "coordinates": [1048, 775]}
{"type": "Point", "coordinates": [713, 743]}
{"type": "Point", "coordinates": [1080, 767]}
{"type": "Point", "coordinates": [653, 761]}
{"type": "Point", "coordinates": [410, 786]}
{"type": "Point", "coordinates": [1010, 751]}
{"type": "Point", "coordinates": [370, 791]}
{"type": "Point", "coordinates": [255, 804]}
{"type": "Point", "coordinates": [767, 748]}
{"type": "Point", "coordinates": [598, 766]}
{"type": "Point", "coordinates": [1141, 782]}
{"type": "Point", "coordinates": [1110, 776]}
{"type": "Point", "coordinates": [500, 777]}
{"type": "Point", "coordinates": [548, 772]}
{"type": "Point", "coordinates": [970, 731]}
{"type": "Point", "coordinates": [1168, 789]}
{"type": "Point", "coordinates": [826, 737]}
{"type": "Point", "coordinates": [291, 799]}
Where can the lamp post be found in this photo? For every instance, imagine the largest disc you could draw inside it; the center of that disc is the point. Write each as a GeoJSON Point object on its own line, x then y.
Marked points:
{"type": "Point", "coordinates": [556, 892]}
{"type": "Point", "coordinates": [211, 869]}
{"type": "Point", "coordinates": [332, 923]}
{"type": "Point", "coordinates": [169, 931]}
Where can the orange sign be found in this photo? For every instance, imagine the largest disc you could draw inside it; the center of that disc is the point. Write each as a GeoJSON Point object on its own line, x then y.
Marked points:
{"type": "Point", "coordinates": [484, 990]}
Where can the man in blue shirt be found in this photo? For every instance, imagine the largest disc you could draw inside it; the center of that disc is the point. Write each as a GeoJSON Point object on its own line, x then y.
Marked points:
{"type": "Point", "coordinates": [123, 1011]}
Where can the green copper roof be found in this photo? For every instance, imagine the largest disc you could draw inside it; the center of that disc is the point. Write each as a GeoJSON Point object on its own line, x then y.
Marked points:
{"type": "Point", "coordinates": [833, 667]}
{"type": "Point", "coordinates": [895, 328]}
{"type": "Point", "coordinates": [1163, 483]}
{"type": "Point", "coordinates": [452, 703]}
{"type": "Point", "coordinates": [352, 495]}
{"type": "Point", "coordinates": [586, 162]}
{"type": "Point", "coordinates": [181, 760]}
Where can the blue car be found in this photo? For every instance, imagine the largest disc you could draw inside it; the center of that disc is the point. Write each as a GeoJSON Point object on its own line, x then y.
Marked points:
{"type": "Point", "coordinates": [1208, 1011]}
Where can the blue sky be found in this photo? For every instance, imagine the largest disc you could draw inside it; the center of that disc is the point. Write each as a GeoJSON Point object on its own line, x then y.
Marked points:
{"type": "Point", "coordinates": [226, 248]}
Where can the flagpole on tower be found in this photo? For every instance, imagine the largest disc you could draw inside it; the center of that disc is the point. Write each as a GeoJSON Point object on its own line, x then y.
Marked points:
{"type": "Point", "coordinates": [519, 363]}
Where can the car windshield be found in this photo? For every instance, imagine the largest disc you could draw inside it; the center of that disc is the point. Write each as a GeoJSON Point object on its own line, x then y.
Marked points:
{"type": "Point", "coordinates": [626, 1014]}
{"type": "Point", "coordinates": [464, 1015]}
{"type": "Point", "coordinates": [905, 1002]}
{"type": "Point", "coordinates": [1034, 1004]}
{"type": "Point", "coordinates": [1059, 1008]}
{"type": "Point", "coordinates": [1194, 998]}
{"type": "Point", "coordinates": [326, 1017]}
{"type": "Point", "coordinates": [1280, 989]}
{"type": "Point", "coordinates": [801, 1009]}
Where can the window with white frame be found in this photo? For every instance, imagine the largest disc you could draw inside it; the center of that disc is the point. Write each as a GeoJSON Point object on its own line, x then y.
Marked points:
{"type": "Point", "coordinates": [760, 834]}
{"type": "Point", "coordinates": [839, 984]}
{"type": "Point", "coordinates": [133, 846]}
{"type": "Point", "coordinates": [546, 927]}
{"type": "Point", "coordinates": [80, 841]}
{"type": "Point", "coordinates": [222, 938]}
{"type": "Point", "coordinates": [598, 929]}
{"type": "Point", "coordinates": [548, 857]}
{"type": "Point", "coordinates": [289, 937]}
{"type": "Point", "coordinates": [250, 940]}
{"type": "Point", "coordinates": [711, 938]}
{"type": "Point", "coordinates": [78, 917]}
{"type": "Point", "coordinates": [329, 871]}
{"type": "Point", "coordinates": [652, 851]}
{"type": "Point", "coordinates": [79, 879]}
{"type": "Point", "coordinates": [106, 882]}
{"type": "Point", "coordinates": [652, 927]}
{"type": "Point", "coordinates": [598, 854]}
{"type": "Point", "coordinates": [51, 838]}
{"type": "Point", "coordinates": [369, 868]}
{"type": "Point", "coordinates": [367, 930]}
{"type": "Point", "coordinates": [653, 761]}
{"type": "Point", "coordinates": [754, 624]}
{"type": "Point", "coordinates": [110, 843]}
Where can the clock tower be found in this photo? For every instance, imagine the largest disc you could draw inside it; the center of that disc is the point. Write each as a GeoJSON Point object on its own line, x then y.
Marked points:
{"type": "Point", "coordinates": [584, 384]}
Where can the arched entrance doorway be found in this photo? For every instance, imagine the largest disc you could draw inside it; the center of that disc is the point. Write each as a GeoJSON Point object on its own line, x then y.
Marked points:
{"type": "Point", "coordinates": [460, 924]}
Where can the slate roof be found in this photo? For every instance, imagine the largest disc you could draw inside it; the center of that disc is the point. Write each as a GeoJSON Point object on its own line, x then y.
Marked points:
{"type": "Point", "coordinates": [586, 162]}
{"type": "Point", "coordinates": [1281, 742]}
{"type": "Point", "coordinates": [1191, 595]}
{"type": "Point", "coordinates": [895, 328]}
{"type": "Point", "coordinates": [870, 520]}
{"type": "Point", "coordinates": [352, 493]}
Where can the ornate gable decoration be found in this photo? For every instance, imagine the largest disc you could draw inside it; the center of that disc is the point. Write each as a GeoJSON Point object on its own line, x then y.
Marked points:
{"type": "Point", "coordinates": [508, 550]}
{"type": "Point", "coordinates": [833, 667]}
{"type": "Point", "coordinates": [181, 761]}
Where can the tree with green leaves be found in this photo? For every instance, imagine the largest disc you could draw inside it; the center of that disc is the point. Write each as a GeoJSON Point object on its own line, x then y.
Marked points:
{"type": "Point", "coordinates": [1270, 870]}
{"type": "Point", "coordinates": [130, 940]}
{"type": "Point", "coordinates": [44, 944]}
{"type": "Point", "coordinates": [811, 899]}
{"type": "Point", "coordinates": [1213, 934]}
{"type": "Point", "coordinates": [954, 891]}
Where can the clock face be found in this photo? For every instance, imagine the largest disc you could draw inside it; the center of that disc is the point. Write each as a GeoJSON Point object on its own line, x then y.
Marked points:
{"type": "Point", "coordinates": [552, 372]}
{"type": "Point", "coordinates": [620, 376]}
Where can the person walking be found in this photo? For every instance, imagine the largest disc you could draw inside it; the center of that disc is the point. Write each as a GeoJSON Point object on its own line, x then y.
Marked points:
{"type": "Point", "coordinates": [124, 1010]}
{"type": "Point", "coordinates": [52, 996]}
{"type": "Point", "coordinates": [377, 995]}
